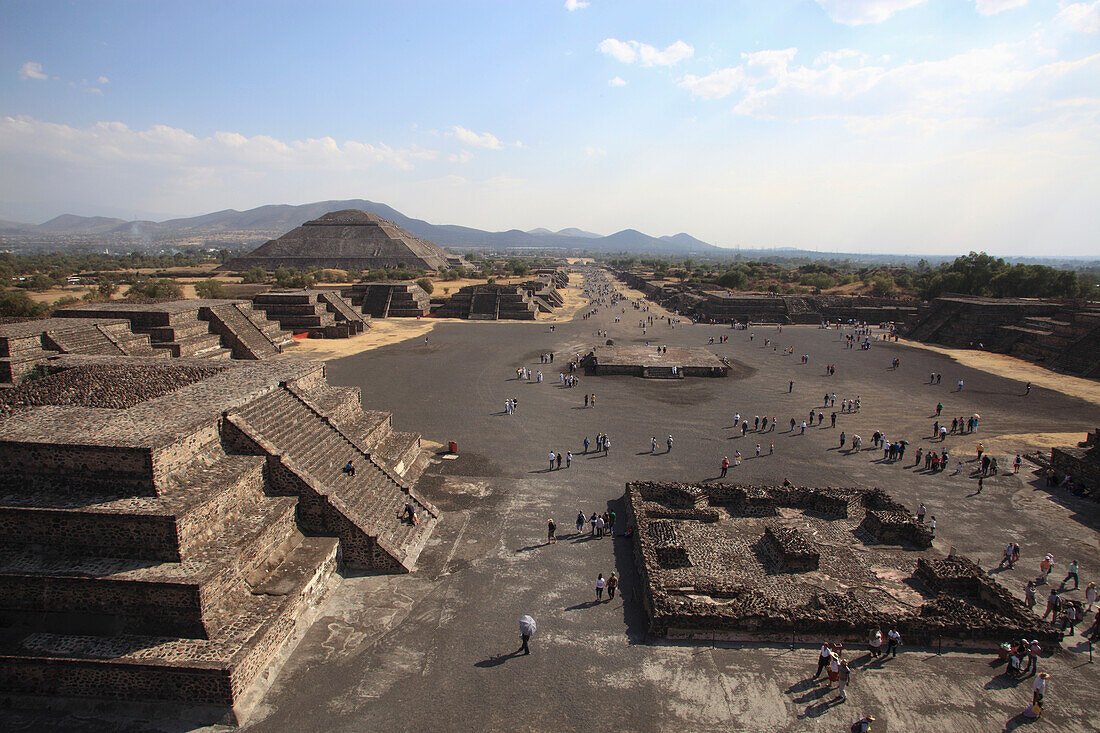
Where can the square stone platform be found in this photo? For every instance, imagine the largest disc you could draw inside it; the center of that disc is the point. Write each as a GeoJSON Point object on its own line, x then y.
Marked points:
{"type": "Point", "coordinates": [645, 361]}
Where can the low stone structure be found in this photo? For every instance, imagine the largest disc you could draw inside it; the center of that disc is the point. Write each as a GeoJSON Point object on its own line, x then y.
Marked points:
{"type": "Point", "coordinates": [347, 240]}
{"type": "Point", "coordinates": [320, 313]}
{"type": "Point", "coordinates": [24, 346]}
{"type": "Point", "coordinates": [649, 362]}
{"type": "Point", "coordinates": [787, 563]}
{"type": "Point", "coordinates": [168, 526]}
{"type": "Point", "coordinates": [389, 299]}
{"type": "Point", "coordinates": [211, 329]}
{"type": "Point", "coordinates": [1080, 462]}
{"type": "Point", "coordinates": [487, 302]}
{"type": "Point", "coordinates": [1059, 334]}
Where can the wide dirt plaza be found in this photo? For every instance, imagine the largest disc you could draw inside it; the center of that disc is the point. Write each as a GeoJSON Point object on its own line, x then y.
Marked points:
{"type": "Point", "coordinates": [434, 650]}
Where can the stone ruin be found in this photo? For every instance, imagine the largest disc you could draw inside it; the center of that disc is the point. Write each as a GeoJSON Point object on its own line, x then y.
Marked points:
{"type": "Point", "coordinates": [319, 313]}
{"type": "Point", "coordinates": [798, 564]}
{"type": "Point", "coordinates": [492, 302]}
{"type": "Point", "coordinates": [169, 526]}
{"type": "Point", "coordinates": [389, 299]}
{"type": "Point", "coordinates": [26, 345]}
{"type": "Point", "coordinates": [645, 361]}
{"type": "Point", "coordinates": [346, 240]}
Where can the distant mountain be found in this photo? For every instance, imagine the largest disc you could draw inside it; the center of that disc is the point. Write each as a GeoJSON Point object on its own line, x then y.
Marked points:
{"type": "Point", "coordinates": [685, 240]}
{"type": "Point", "coordinates": [273, 220]}
{"type": "Point", "coordinates": [574, 232]}
{"type": "Point", "coordinates": [72, 224]}
{"type": "Point", "coordinates": [11, 226]}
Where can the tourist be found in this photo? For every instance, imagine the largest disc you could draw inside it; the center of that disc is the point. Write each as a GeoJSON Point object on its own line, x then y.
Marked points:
{"type": "Point", "coordinates": [612, 584]}
{"type": "Point", "coordinates": [1045, 566]}
{"type": "Point", "coordinates": [771, 448]}
{"type": "Point", "coordinates": [823, 659]}
{"type": "Point", "coordinates": [568, 458]}
{"type": "Point", "coordinates": [875, 643]}
{"type": "Point", "coordinates": [834, 667]}
{"type": "Point", "coordinates": [1033, 651]}
{"type": "Point", "coordinates": [893, 641]}
{"type": "Point", "coordinates": [1006, 557]}
{"type": "Point", "coordinates": [601, 524]}
{"type": "Point", "coordinates": [1090, 596]}
{"type": "Point", "coordinates": [653, 444]}
{"type": "Point", "coordinates": [1070, 619]}
{"type": "Point", "coordinates": [600, 585]}
{"type": "Point", "coordinates": [552, 457]}
{"type": "Point", "coordinates": [1039, 688]}
{"type": "Point", "coordinates": [737, 458]}
{"type": "Point", "coordinates": [725, 466]}
{"type": "Point", "coordinates": [863, 725]}
{"type": "Point", "coordinates": [557, 458]}
{"type": "Point", "coordinates": [932, 526]}
{"type": "Point", "coordinates": [1054, 602]}
{"type": "Point", "coordinates": [844, 675]}
{"type": "Point", "coordinates": [592, 521]}
{"type": "Point", "coordinates": [551, 530]}
{"type": "Point", "coordinates": [921, 512]}
{"type": "Point", "coordinates": [580, 521]}
{"type": "Point", "coordinates": [959, 388]}
{"type": "Point", "coordinates": [669, 443]}
{"type": "Point", "coordinates": [790, 386]}
{"type": "Point", "coordinates": [349, 469]}
{"type": "Point", "coordinates": [526, 631]}
{"type": "Point", "coordinates": [842, 438]}
{"type": "Point", "coordinates": [1029, 594]}
{"type": "Point", "coordinates": [757, 450]}
{"type": "Point", "coordinates": [833, 418]}
{"type": "Point", "coordinates": [586, 444]}
{"type": "Point", "coordinates": [1071, 574]}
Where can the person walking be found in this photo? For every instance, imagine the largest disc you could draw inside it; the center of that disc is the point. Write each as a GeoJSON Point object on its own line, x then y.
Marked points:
{"type": "Point", "coordinates": [526, 631]}
{"type": "Point", "coordinates": [568, 458]}
{"type": "Point", "coordinates": [725, 466]}
{"type": "Point", "coordinates": [600, 585]}
{"type": "Point", "coordinates": [823, 659]}
{"type": "Point", "coordinates": [790, 386]}
{"type": "Point", "coordinates": [844, 675]}
{"type": "Point", "coordinates": [1072, 574]}
{"type": "Point", "coordinates": [1090, 596]}
{"type": "Point", "coordinates": [669, 444]}
{"type": "Point", "coordinates": [875, 643]}
{"type": "Point", "coordinates": [1054, 602]}
{"type": "Point", "coordinates": [600, 525]}
{"type": "Point", "coordinates": [586, 444]}
{"type": "Point", "coordinates": [1016, 463]}
{"type": "Point", "coordinates": [580, 521]}
{"type": "Point", "coordinates": [893, 641]}
{"type": "Point", "coordinates": [558, 459]}
{"type": "Point", "coordinates": [1029, 594]}
{"type": "Point", "coordinates": [552, 460]}
{"type": "Point", "coordinates": [1039, 688]}
{"type": "Point", "coordinates": [612, 584]}
{"type": "Point", "coordinates": [653, 444]}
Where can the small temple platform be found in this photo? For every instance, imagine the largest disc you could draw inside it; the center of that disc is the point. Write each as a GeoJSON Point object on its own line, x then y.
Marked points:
{"type": "Point", "coordinates": [649, 362]}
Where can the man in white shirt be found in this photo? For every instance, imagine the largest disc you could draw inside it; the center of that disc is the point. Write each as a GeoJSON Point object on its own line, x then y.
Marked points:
{"type": "Point", "coordinates": [823, 659]}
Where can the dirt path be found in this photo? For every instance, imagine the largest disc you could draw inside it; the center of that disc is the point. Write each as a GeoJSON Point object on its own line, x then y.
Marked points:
{"type": "Point", "coordinates": [1012, 368]}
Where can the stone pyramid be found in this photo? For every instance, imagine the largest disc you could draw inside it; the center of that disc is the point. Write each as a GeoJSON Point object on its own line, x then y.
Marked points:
{"type": "Point", "coordinates": [346, 240]}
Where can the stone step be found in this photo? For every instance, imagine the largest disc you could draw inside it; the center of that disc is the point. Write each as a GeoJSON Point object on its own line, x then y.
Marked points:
{"type": "Point", "coordinates": [214, 671]}
{"type": "Point", "coordinates": [237, 331]}
{"type": "Point", "coordinates": [398, 451]}
{"type": "Point", "coordinates": [103, 594]}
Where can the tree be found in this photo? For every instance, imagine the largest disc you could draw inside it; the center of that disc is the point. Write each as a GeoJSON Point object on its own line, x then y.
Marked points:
{"type": "Point", "coordinates": [426, 285]}
{"type": "Point", "coordinates": [255, 275]}
{"type": "Point", "coordinates": [211, 289]}
{"type": "Point", "coordinates": [18, 303]}
{"type": "Point", "coordinates": [162, 289]}
{"type": "Point", "coordinates": [733, 279]}
{"type": "Point", "coordinates": [107, 289]}
{"type": "Point", "coordinates": [882, 284]}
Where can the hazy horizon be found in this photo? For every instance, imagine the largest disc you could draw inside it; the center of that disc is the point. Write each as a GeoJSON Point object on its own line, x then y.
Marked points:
{"type": "Point", "coordinates": [851, 126]}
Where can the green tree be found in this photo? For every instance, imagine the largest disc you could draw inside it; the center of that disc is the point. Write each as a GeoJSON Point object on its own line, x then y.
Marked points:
{"type": "Point", "coordinates": [211, 289]}
{"type": "Point", "coordinates": [426, 284]}
{"type": "Point", "coordinates": [255, 275]}
{"type": "Point", "coordinates": [17, 303]}
{"type": "Point", "coordinates": [882, 284]}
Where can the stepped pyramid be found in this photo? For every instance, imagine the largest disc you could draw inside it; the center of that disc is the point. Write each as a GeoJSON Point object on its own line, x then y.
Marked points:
{"type": "Point", "coordinates": [347, 240]}
{"type": "Point", "coordinates": [169, 526]}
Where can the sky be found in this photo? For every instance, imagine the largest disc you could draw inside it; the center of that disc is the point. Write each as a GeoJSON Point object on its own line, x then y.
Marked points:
{"type": "Point", "coordinates": [892, 126]}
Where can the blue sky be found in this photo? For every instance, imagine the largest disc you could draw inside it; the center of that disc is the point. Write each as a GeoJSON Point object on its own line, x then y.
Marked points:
{"type": "Point", "coordinates": [931, 126]}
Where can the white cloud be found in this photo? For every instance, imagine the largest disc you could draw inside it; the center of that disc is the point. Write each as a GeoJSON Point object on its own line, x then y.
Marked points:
{"type": "Point", "coordinates": [630, 52]}
{"type": "Point", "coordinates": [572, 5]}
{"type": "Point", "coordinates": [478, 140]}
{"type": "Point", "coordinates": [592, 152]}
{"type": "Point", "coordinates": [1080, 17]}
{"type": "Point", "coordinates": [464, 156]}
{"type": "Point", "coordinates": [992, 7]}
{"type": "Point", "coordinates": [32, 70]}
{"type": "Point", "coordinates": [102, 80]}
{"type": "Point", "coordinates": [616, 81]}
{"type": "Point", "coordinates": [982, 83]}
{"type": "Point", "coordinates": [840, 56]}
{"type": "Point", "coordinates": [115, 142]}
{"type": "Point", "coordinates": [859, 12]}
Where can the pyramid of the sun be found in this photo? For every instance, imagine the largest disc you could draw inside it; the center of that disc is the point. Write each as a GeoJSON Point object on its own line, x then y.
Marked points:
{"type": "Point", "coordinates": [346, 240]}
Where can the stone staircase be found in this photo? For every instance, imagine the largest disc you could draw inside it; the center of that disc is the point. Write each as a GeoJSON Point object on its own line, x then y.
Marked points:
{"type": "Point", "coordinates": [27, 344]}
{"type": "Point", "coordinates": [240, 333]}
{"type": "Point", "coordinates": [363, 509]}
{"type": "Point", "coordinates": [344, 310]}
{"type": "Point", "coordinates": [321, 313]}
{"type": "Point", "coordinates": [389, 299]}
{"type": "Point", "coordinates": [183, 594]}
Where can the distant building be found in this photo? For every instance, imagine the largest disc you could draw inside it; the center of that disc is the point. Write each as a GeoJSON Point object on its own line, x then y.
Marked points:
{"type": "Point", "coordinates": [345, 240]}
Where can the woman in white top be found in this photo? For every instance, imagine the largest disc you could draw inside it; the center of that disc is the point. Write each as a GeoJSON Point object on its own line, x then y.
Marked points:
{"type": "Point", "coordinates": [600, 585]}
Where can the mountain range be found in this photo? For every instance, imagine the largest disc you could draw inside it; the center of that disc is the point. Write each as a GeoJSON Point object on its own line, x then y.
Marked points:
{"type": "Point", "coordinates": [274, 220]}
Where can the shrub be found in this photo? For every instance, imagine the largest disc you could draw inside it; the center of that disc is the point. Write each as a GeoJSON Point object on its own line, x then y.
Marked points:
{"type": "Point", "coordinates": [254, 275]}
{"type": "Point", "coordinates": [426, 284]}
{"type": "Point", "coordinates": [18, 303]}
{"type": "Point", "coordinates": [211, 289]}
{"type": "Point", "coordinates": [162, 289]}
